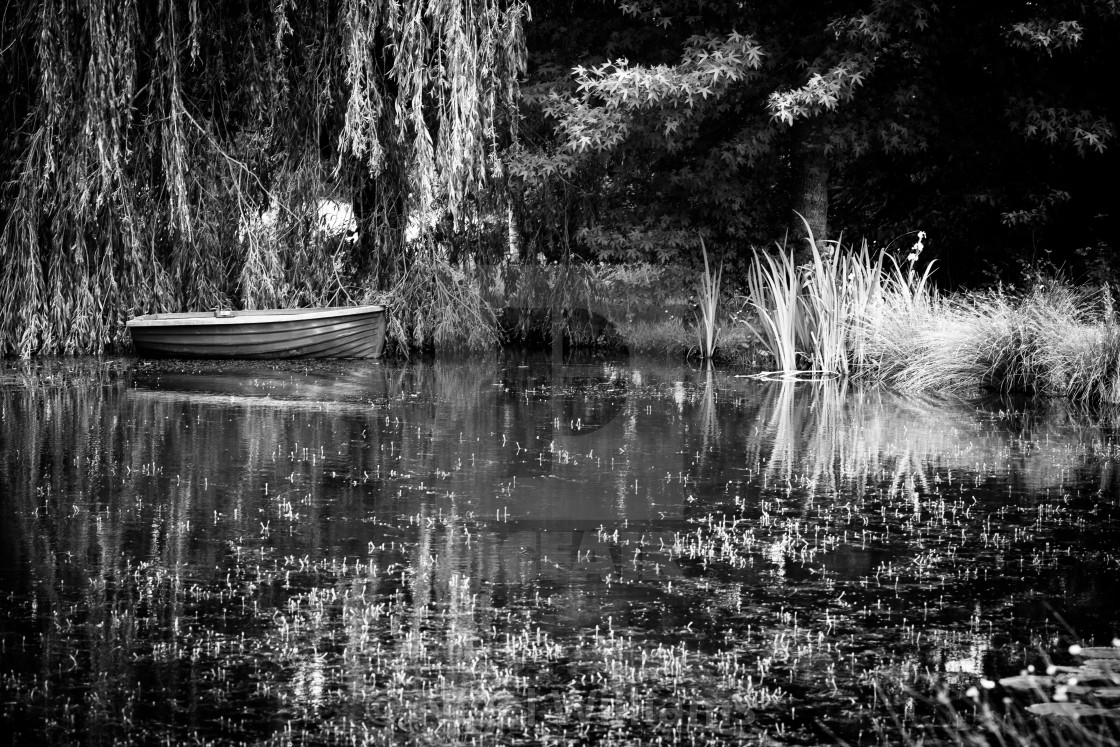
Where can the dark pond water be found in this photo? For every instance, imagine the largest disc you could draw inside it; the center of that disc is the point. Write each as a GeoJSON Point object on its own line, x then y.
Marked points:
{"type": "Point", "coordinates": [514, 551]}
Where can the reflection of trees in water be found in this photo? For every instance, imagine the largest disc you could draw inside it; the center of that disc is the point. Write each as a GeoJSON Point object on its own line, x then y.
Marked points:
{"type": "Point", "coordinates": [151, 519]}
{"type": "Point", "coordinates": [180, 467]}
{"type": "Point", "coordinates": [157, 524]}
{"type": "Point", "coordinates": [127, 505]}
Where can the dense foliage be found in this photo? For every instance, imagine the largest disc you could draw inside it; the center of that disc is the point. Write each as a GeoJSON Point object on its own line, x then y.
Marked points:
{"type": "Point", "coordinates": [987, 125]}
{"type": "Point", "coordinates": [176, 155]}
{"type": "Point", "coordinates": [184, 154]}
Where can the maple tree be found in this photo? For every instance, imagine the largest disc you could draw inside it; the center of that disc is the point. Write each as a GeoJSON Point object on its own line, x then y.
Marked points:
{"type": "Point", "coordinates": [730, 119]}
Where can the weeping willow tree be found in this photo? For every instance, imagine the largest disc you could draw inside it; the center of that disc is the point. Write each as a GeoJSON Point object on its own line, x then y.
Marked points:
{"type": "Point", "coordinates": [172, 156]}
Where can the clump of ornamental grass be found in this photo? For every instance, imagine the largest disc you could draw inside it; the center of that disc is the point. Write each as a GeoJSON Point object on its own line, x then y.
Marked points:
{"type": "Point", "coordinates": [855, 314]}
{"type": "Point", "coordinates": [1051, 340]}
{"type": "Point", "coordinates": [1069, 347]}
{"type": "Point", "coordinates": [938, 347]}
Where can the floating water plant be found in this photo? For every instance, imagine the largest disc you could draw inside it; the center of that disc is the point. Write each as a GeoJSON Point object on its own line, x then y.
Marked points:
{"type": "Point", "coordinates": [516, 551]}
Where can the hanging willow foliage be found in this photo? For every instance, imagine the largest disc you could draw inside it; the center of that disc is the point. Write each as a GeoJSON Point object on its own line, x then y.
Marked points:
{"type": "Point", "coordinates": [148, 139]}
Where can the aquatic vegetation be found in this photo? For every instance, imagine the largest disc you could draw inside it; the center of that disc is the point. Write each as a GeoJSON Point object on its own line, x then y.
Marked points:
{"type": "Point", "coordinates": [513, 549]}
{"type": "Point", "coordinates": [710, 287]}
{"type": "Point", "coordinates": [851, 313]}
{"type": "Point", "coordinates": [821, 318]}
{"type": "Point", "coordinates": [774, 285]}
{"type": "Point", "coordinates": [1050, 340]}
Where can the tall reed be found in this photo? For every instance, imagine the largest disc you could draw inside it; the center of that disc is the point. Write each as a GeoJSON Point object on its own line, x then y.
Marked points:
{"type": "Point", "coordinates": [817, 319]}
{"type": "Point", "coordinates": [774, 290]}
{"type": "Point", "coordinates": [709, 304]}
{"type": "Point", "coordinates": [854, 314]}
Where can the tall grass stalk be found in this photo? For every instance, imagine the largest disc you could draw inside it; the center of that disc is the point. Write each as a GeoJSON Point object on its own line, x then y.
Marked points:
{"type": "Point", "coordinates": [839, 290]}
{"type": "Point", "coordinates": [774, 289]}
{"type": "Point", "coordinates": [709, 305]}
{"type": "Point", "coordinates": [826, 291]}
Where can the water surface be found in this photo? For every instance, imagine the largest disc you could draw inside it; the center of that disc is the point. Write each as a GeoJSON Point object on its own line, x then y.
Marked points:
{"type": "Point", "coordinates": [527, 551]}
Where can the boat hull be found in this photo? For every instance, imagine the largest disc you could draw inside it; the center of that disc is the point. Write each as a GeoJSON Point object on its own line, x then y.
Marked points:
{"type": "Point", "coordinates": [333, 332]}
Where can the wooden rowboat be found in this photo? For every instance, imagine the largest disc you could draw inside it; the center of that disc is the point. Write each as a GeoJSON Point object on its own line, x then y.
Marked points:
{"type": "Point", "coordinates": [329, 332]}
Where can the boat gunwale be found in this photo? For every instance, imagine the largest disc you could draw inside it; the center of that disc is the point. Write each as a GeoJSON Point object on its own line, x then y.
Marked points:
{"type": "Point", "coordinates": [246, 318]}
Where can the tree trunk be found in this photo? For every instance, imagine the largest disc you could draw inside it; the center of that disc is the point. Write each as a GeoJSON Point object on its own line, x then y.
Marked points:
{"type": "Point", "coordinates": [513, 235]}
{"type": "Point", "coordinates": [809, 192]}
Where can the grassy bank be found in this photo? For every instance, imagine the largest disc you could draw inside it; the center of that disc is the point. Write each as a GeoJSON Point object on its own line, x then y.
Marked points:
{"type": "Point", "coordinates": [666, 310]}
{"type": "Point", "coordinates": [848, 312]}
{"type": "Point", "coordinates": [877, 317]}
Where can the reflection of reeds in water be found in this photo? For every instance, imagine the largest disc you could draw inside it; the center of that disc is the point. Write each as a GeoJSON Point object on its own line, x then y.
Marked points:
{"type": "Point", "coordinates": [807, 439]}
{"type": "Point", "coordinates": [827, 437]}
{"type": "Point", "coordinates": [709, 422]}
{"type": "Point", "coordinates": [783, 455]}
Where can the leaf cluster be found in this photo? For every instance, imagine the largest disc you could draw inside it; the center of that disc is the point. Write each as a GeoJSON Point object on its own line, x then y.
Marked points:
{"type": "Point", "coordinates": [146, 138]}
{"type": "Point", "coordinates": [950, 116]}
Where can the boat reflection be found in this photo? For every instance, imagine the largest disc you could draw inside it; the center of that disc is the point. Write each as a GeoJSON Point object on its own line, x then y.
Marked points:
{"type": "Point", "coordinates": [356, 383]}
{"type": "Point", "coordinates": [251, 547]}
